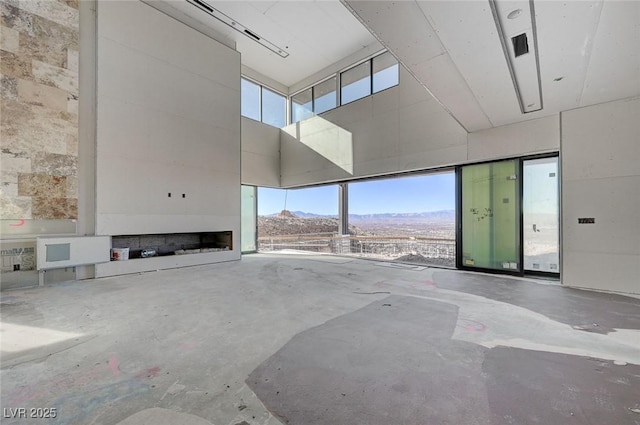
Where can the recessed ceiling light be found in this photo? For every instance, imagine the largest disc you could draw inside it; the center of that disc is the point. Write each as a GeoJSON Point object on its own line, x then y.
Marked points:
{"type": "Point", "coordinates": [514, 14]}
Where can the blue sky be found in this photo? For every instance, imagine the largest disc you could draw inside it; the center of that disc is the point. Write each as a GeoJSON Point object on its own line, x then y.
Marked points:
{"type": "Point", "coordinates": [399, 195]}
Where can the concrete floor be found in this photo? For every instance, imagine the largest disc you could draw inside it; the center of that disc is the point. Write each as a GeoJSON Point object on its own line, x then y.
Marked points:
{"type": "Point", "coordinates": [306, 339]}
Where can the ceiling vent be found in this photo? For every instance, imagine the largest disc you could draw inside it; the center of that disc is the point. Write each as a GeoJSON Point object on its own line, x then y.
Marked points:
{"type": "Point", "coordinates": [520, 45]}
{"type": "Point", "coordinates": [205, 7]}
{"type": "Point", "coordinates": [515, 21]}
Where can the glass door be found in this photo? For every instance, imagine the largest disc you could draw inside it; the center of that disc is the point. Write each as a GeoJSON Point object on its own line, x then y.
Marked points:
{"type": "Point", "coordinates": [490, 216]}
{"type": "Point", "coordinates": [540, 213]}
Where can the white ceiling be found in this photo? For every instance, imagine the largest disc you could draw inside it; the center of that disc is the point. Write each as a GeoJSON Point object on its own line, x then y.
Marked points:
{"type": "Point", "coordinates": [452, 47]}
{"type": "Point", "coordinates": [316, 34]}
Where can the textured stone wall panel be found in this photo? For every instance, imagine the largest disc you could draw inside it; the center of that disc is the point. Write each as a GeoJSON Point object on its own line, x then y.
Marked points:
{"type": "Point", "coordinates": [39, 121]}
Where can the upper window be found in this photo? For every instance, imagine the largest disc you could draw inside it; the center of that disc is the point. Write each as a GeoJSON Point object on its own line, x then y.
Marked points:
{"type": "Point", "coordinates": [355, 83]}
{"type": "Point", "coordinates": [261, 104]}
{"type": "Point", "coordinates": [324, 96]}
{"type": "Point", "coordinates": [274, 108]}
{"type": "Point", "coordinates": [385, 72]}
{"type": "Point", "coordinates": [250, 101]}
{"type": "Point", "coordinates": [374, 75]}
{"type": "Point", "coordinates": [302, 106]}
{"type": "Point", "coordinates": [314, 100]}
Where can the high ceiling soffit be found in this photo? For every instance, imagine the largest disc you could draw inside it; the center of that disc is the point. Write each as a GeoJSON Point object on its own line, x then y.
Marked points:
{"type": "Point", "coordinates": [587, 53]}
{"type": "Point", "coordinates": [313, 34]}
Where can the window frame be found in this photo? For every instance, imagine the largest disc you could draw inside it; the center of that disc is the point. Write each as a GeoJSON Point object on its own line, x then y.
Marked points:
{"type": "Point", "coordinates": [269, 89]}
{"type": "Point", "coordinates": [260, 97]}
{"type": "Point", "coordinates": [335, 91]}
{"type": "Point", "coordinates": [373, 73]}
{"type": "Point", "coordinates": [338, 86]}
{"type": "Point", "coordinates": [291, 120]}
{"type": "Point", "coordinates": [370, 63]}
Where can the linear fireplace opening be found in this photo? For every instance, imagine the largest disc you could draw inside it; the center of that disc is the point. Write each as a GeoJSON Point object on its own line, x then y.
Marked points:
{"type": "Point", "coordinates": [157, 245]}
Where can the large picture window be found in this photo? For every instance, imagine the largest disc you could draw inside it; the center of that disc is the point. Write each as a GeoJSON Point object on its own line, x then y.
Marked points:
{"type": "Point", "coordinates": [298, 219]}
{"type": "Point", "coordinates": [409, 219]}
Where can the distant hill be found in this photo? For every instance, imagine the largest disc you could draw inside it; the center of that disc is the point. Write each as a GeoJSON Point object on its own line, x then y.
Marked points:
{"type": "Point", "coordinates": [438, 216]}
{"type": "Point", "coordinates": [303, 214]}
{"type": "Point", "coordinates": [291, 223]}
{"type": "Point", "coordinates": [433, 223]}
{"type": "Point", "coordinates": [444, 215]}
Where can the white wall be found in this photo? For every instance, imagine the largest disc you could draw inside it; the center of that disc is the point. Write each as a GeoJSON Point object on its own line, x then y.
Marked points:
{"type": "Point", "coordinates": [168, 120]}
{"type": "Point", "coordinates": [402, 128]}
{"type": "Point", "coordinates": [260, 154]}
{"type": "Point", "coordinates": [524, 138]}
{"type": "Point", "coordinates": [601, 179]}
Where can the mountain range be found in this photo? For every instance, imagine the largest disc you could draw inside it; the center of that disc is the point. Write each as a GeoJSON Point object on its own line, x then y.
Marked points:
{"type": "Point", "coordinates": [443, 215]}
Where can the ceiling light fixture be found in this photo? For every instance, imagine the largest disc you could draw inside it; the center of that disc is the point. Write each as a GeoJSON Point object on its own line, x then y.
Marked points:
{"type": "Point", "coordinates": [514, 14]}
{"type": "Point", "coordinates": [520, 46]}
{"type": "Point", "coordinates": [205, 7]}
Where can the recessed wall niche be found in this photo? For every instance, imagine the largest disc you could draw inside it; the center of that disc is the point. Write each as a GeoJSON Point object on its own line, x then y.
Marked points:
{"type": "Point", "coordinates": [173, 243]}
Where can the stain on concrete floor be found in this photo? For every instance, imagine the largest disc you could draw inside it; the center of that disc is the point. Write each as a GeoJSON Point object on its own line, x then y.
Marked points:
{"type": "Point", "coordinates": [394, 362]}
{"type": "Point", "coordinates": [533, 387]}
{"type": "Point", "coordinates": [378, 365]}
{"type": "Point", "coordinates": [592, 311]}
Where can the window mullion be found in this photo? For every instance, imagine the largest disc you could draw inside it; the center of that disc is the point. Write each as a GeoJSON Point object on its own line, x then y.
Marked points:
{"type": "Point", "coordinates": [370, 76]}
{"type": "Point", "coordinates": [339, 89]}
{"type": "Point", "coordinates": [260, 102]}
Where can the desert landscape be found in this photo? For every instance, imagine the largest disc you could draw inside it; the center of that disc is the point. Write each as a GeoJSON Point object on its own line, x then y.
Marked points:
{"type": "Point", "coordinates": [425, 238]}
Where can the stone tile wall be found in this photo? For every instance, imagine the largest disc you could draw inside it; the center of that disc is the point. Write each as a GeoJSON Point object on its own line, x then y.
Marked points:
{"type": "Point", "coordinates": [39, 109]}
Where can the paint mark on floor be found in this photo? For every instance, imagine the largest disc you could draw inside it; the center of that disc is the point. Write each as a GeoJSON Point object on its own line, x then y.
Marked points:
{"type": "Point", "coordinates": [471, 325]}
{"type": "Point", "coordinates": [113, 364]}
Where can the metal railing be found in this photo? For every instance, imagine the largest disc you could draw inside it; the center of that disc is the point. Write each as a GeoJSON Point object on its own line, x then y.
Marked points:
{"type": "Point", "coordinates": [440, 251]}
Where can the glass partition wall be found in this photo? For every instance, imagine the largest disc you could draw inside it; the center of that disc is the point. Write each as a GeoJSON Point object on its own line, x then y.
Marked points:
{"type": "Point", "coordinates": [509, 216]}
{"type": "Point", "coordinates": [541, 215]}
{"type": "Point", "coordinates": [490, 213]}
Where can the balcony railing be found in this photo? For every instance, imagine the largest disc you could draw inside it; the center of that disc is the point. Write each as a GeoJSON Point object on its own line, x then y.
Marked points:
{"type": "Point", "coordinates": [428, 250]}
